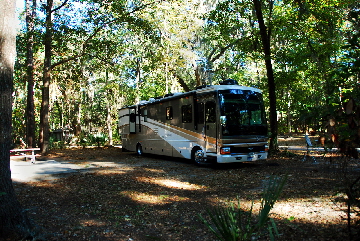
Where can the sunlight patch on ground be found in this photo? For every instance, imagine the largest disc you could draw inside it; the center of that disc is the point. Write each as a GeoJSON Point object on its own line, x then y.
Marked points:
{"type": "Point", "coordinates": [175, 184]}
{"type": "Point", "coordinates": [152, 199]}
{"type": "Point", "coordinates": [317, 210]}
{"type": "Point", "coordinates": [91, 222]}
{"type": "Point", "coordinates": [116, 170]}
{"type": "Point", "coordinates": [154, 170]}
{"type": "Point", "coordinates": [314, 210]}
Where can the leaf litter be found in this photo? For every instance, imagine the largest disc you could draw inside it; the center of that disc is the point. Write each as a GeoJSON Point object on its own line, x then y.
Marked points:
{"type": "Point", "coordinates": [126, 197]}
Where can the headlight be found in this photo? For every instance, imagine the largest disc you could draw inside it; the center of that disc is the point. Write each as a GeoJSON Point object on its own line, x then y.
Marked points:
{"type": "Point", "coordinates": [225, 150]}
{"type": "Point", "coordinates": [266, 148]}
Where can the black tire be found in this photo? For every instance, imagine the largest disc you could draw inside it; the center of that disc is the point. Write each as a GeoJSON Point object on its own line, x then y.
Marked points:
{"type": "Point", "coordinates": [139, 150]}
{"type": "Point", "coordinates": [198, 157]}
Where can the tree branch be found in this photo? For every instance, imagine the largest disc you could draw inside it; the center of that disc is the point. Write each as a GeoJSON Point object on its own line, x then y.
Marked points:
{"type": "Point", "coordinates": [96, 31]}
{"type": "Point", "coordinates": [222, 51]}
{"type": "Point", "coordinates": [181, 82]}
{"type": "Point", "coordinates": [62, 5]}
{"type": "Point", "coordinates": [141, 7]}
{"type": "Point", "coordinates": [63, 61]}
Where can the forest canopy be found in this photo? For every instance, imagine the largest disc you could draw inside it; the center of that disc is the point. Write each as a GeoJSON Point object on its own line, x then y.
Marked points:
{"type": "Point", "coordinates": [79, 61]}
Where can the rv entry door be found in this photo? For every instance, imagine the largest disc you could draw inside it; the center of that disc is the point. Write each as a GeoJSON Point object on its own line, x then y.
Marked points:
{"type": "Point", "coordinates": [210, 126]}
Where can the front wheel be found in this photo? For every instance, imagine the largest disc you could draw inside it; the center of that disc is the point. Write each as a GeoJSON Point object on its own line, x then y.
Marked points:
{"type": "Point", "coordinates": [139, 150]}
{"type": "Point", "coordinates": [199, 157]}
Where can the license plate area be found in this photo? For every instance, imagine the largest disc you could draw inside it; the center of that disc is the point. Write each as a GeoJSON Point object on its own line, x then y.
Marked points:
{"type": "Point", "coordinates": [251, 157]}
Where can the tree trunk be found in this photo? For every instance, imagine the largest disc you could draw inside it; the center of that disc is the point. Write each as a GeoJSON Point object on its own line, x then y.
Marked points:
{"type": "Point", "coordinates": [265, 39]}
{"type": "Point", "coordinates": [30, 112]}
{"type": "Point", "coordinates": [108, 112]}
{"type": "Point", "coordinates": [197, 76]}
{"type": "Point", "coordinates": [44, 112]}
{"type": "Point", "coordinates": [14, 224]}
{"type": "Point", "coordinates": [138, 79]}
{"type": "Point", "coordinates": [78, 119]}
{"type": "Point", "coordinates": [61, 114]}
{"type": "Point", "coordinates": [182, 83]}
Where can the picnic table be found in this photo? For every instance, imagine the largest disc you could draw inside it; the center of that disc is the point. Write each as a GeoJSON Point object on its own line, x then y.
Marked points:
{"type": "Point", "coordinates": [23, 153]}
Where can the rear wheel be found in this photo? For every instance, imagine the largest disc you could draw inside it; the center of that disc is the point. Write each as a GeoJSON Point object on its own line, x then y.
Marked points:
{"type": "Point", "coordinates": [139, 150]}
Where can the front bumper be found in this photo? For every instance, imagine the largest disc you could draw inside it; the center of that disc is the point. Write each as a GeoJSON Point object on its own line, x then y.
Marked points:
{"type": "Point", "coordinates": [246, 157]}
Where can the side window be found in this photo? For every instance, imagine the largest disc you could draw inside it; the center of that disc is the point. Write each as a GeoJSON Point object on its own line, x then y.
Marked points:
{"type": "Point", "coordinates": [186, 113]}
{"type": "Point", "coordinates": [132, 117]}
{"type": "Point", "coordinates": [210, 112]}
{"type": "Point", "coordinates": [145, 115]}
{"type": "Point", "coordinates": [169, 113]}
{"type": "Point", "coordinates": [200, 113]}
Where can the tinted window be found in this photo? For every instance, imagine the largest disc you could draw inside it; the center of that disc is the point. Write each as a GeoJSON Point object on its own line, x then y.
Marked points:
{"type": "Point", "coordinates": [132, 117]}
{"type": "Point", "coordinates": [210, 112]}
{"type": "Point", "coordinates": [186, 111]}
{"type": "Point", "coordinates": [145, 115]}
{"type": "Point", "coordinates": [200, 113]}
{"type": "Point", "coordinates": [169, 113]}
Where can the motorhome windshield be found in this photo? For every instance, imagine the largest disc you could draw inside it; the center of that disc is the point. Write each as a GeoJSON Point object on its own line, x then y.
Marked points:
{"type": "Point", "coordinates": [242, 113]}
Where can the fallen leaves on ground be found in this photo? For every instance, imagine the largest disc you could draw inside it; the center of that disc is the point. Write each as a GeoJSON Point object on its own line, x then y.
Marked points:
{"type": "Point", "coordinates": [126, 197]}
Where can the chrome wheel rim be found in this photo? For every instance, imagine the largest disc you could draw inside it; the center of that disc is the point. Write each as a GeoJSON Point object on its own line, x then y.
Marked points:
{"type": "Point", "coordinates": [199, 156]}
{"type": "Point", "coordinates": [139, 150]}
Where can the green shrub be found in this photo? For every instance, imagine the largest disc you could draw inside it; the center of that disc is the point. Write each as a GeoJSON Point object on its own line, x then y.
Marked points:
{"type": "Point", "coordinates": [53, 144]}
{"type": "Point", "coordinates": [234, 224]}
{"type": "Point", "coordinates": [87, 139]}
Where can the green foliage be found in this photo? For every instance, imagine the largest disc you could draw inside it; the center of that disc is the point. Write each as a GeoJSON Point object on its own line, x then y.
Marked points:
{"type": "Point", "coordinates": [54, 144]}
{"type": "Point", "coordinates": [99, 139]}
{"type": "Point", "coordinates": [228, 225]}
{"type": "Point", "coordinates": [234, 224]}
{"type": "Point", "coordinates": [88, 139]}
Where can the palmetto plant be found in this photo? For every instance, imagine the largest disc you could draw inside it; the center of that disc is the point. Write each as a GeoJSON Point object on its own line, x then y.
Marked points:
{"type": "Point", "coordinates": [234, 224]}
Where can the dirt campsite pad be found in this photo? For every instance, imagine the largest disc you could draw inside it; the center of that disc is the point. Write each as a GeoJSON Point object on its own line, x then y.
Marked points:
{"type": "Point", "coordinates": [115, 195]}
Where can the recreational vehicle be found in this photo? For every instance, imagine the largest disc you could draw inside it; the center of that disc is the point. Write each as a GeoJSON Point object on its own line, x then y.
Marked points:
{"type": "Point", "coordinates": [213, 124]}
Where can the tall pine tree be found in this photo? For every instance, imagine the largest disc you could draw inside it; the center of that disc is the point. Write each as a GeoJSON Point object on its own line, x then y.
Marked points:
{"type": "Point", "coordinates": [14, 224]}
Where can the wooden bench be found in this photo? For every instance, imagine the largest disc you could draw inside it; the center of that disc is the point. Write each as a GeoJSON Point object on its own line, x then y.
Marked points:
{"type": "Point", "coordinates": [23, 153]}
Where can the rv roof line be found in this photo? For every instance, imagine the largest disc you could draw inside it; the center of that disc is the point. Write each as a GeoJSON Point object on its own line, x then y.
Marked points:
{"type": "Point", "coordinates": [167, 95]}
{"type": "Point", "coordinates": [162, 97]}
{"type": "Point", "coordinates": [173, 94]}
{"type": "Point", "coordinates": [225, 82]}
{"type": "Point", "coordinates": [202, 86]}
